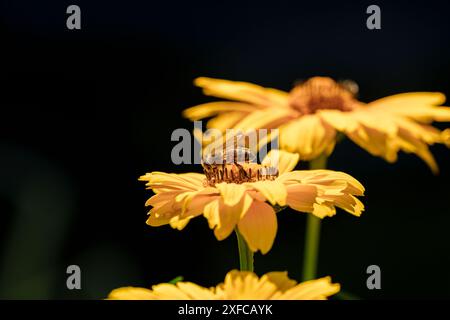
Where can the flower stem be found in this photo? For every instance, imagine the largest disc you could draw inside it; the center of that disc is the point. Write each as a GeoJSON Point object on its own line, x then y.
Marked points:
{"type": "Point", "coordinates": [245, 254]}
{"type": "Point", "coordinates": [312, 236]}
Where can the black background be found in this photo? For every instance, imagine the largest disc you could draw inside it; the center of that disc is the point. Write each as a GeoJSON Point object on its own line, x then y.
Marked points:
{"type": "Point", "coordinates": [85, 112]}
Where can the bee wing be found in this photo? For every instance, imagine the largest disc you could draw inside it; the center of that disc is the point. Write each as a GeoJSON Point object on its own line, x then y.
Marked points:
{"type": "Point", "coordinates": [232, 139]}
{"type": "Point", "coordinates": [350, 85]}
{"type": "Point", "coordinates": [243, 145]}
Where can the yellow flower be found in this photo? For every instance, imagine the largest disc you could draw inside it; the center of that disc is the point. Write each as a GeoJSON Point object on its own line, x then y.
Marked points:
{"type": "Point", "coordinates": [313, 112]}
{"type": "Point", "coordinates": [228, 203]}
{"type": "Point", "coordinates": [238, 285]}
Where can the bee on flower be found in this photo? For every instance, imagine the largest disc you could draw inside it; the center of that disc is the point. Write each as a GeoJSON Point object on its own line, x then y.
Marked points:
{"type": "Point", "coordinates": [235, 192]}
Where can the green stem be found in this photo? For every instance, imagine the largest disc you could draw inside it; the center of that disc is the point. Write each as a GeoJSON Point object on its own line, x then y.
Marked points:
{"type": "Point", "coordinates": [245, 254]}
{"type": "Point", "coordinates": [312, 236]}
{"type": "Point", "coordinates": [344, 295]}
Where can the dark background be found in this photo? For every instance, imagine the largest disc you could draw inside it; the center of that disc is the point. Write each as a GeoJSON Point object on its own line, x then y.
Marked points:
{"type": "Point", "coordinates": [85, 112]}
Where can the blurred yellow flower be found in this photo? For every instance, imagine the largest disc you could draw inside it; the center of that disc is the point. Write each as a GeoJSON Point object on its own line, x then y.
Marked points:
{"type": "Point", "coordinates": [311, 114]}
{"type": "Point", "coordinates": [238, 285]}
{"type": "Point", "coordinates": [227, 200]}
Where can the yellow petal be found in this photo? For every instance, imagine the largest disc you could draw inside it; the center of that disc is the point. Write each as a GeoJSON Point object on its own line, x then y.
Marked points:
{"type": "Point", "coordinates": [154, 221]}
{"type": "Point", "coordinates": [181, 291]}
{"type": "Point", "coordinates": [192, 202]}
{"type": "Point", "coordinates": [375, 142]}
{"type": "Point", "coordinates": [273, 191]}
{"type": "Point", "coordinates": [446, 137]}
{"type": "Point", "coordinates": [328, 177]}
{"type": "Point", "coordinates": [363, 127]}
{"type": "Point", "coordinates": [179, 223]}
{"type": "Point", "coordinates": [166, 210]}
{"type": "Point", "coordinates": [323, 210]}
{"type": "Point", "coordinates": [196, 292]}
{"type": "Point", "coordinates": [210, 109]}
{"type": "Point", "coordinates": [239, 285]}
{"type": "Point", "coordinates": [440, 114]}
{"type": "Point", "coordinates": [259, 226]}
{"type": "Point", "coordinates": [177, 207]}
{"type": "Point", "coordinates": [301, 197]}
{"type": "Point", "coordinates": [162, 182]}
{"type": "Point", "coordinates": [162, 198]}
{"type": "Point", "coordinates": [196, 205]}
{"type": "Point", "coordinates": [167, 291]}
{"type": "Point", "coordinates": [411, 98]}
{"type": "Point", "coordinates": [318, 289]}
{"type": "Point", "coordinates": [342, 121]}
{"type": "Point", "coordinates": [410, 144]}
{"type": "Point", "coordinates": [282, 160]}
{"type": "Point", "coordinates": [211, 213]}
{"type": "Point", "coordinates": [280, 279]}
{"type": "Point", "coordinates": [420, 106]}
{"type": "Point", "coordinates": [308, 135]}
{"type": "Point", "coordinates": [223, 218]}
{"type": "Point", "coordinates": [225, 120]}
{"type": "Point", "coordinates": [231, 193]}
{"type": "Point", "coordinates": [243, 91]}
{"type": "Point", "coordinates": [131, 293]}
{"type": "Point", "coordinates": [329, 181]}
{"type": "Point", "coordinates": [264, 119]}
{"type": "Point", "coordinates": [425, 133]}
{"type": "Point", "coordinates": [371, 118]}
{"type": "Point", "coordinates": [348, 203]}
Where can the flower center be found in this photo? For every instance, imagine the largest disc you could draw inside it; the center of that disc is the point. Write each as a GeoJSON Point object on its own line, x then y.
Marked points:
{"type": "Point", "coordinates": [235, 166]}
{"type": "Point", "coordinates": [321, 93]}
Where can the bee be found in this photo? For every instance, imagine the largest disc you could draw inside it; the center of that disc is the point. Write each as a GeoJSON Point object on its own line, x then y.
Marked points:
{"type": "Point", "coordinates": [233, 162]}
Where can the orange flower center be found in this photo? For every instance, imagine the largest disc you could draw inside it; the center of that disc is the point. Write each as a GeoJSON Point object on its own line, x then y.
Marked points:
{"type": "Point", "coordinates": [234, 166]}
{"type": "Point", "coordinates": [321, 93]}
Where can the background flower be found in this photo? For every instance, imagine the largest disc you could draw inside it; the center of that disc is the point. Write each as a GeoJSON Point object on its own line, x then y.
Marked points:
{"type": "Point", "coordinates": [313, 112]}
{"type": "Point", "coordinates": [238, 285]}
